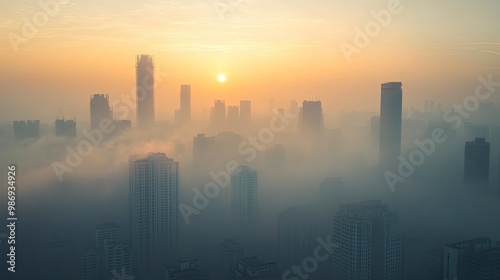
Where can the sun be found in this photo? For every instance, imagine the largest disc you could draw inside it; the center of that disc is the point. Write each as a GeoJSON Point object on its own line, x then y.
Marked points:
{"type": "Point", "coordinates": [221, 78]}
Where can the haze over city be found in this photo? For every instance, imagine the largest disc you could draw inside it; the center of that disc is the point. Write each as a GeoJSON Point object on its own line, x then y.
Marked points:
{"type": "Point", "coordinates": [250, 139]}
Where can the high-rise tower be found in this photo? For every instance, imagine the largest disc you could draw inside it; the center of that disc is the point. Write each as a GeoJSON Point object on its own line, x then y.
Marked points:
{"type": "Point", "coordinates": [145, 80]}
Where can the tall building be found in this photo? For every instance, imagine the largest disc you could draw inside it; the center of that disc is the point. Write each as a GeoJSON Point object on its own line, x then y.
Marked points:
{"type": "Point", "coordinates": [297, 234]}
{"type": "Point", "coordinates": [66, 128]}
{"type": "Point", "coordinates": [186, 270]}
{"type": "Point", "coordinates": [203, 152]}
{"type": "Point", "coordinates": [255, 268]}
{"type": "Point", "coordinates": [475, 259]}
{"type": "Point", "coordinates": [245, 112]}
{"type": "Point", "coordinates": [145, 80]}
{"type": "Point", "coordinates": [99, 110]}
{"type": "Point", "coordinates": [90, 267]}
{"type": "Point", "coordinates": [370, 242]}
{"type": "Point", "coordinates": [116, 258]}
{"type": "Point", "coordinates": [391, 102]}
{"type": "Point", "coordinates": [183, 115]}
{"type": "Point", "coordinates": [477, 164]}
{"type": "Point", "coordinates": [218, 115]}
{"type": "Point", "coordinates": [311, 121]}
{"type": "Point", "coordinates": [229, 252]}
{"type": "Point", "coordinates": [110, 255]}
{"type": "Point", "coordinates": [233, 116]}
{"type": "Point", "coordinates": [244, 200]}
{"type": "Point", "coordinates": [121, 125]}
{"type": "Point", "coordinates": [26, 129]}
{"type": "Point", "coordinates": [154, 198]}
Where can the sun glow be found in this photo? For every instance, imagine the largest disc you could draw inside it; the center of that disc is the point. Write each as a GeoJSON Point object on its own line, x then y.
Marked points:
{"type": "Point", "coordinates": [221, 78]}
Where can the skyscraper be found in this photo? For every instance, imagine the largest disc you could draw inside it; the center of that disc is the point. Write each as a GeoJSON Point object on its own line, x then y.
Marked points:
{"type": "Point", "coordinates": [245, 112]}
{"type": "Point", "coordinates": [475, 259]}
{"type": "Point", "coordinates": [244, 199]}
{"type": "Point", "coordinates": [477, 164]}
{"type": "Point", "coordinates": [229, 252]}
{"type": "Point", "coordinates": [99, 110]}
{"type": "Point", "coordinates": [296, 235]}
{"type": "Point", "coordinates": [89, 265]}
{"type": "Point", "coordinates": [66, 128]}
{"type": "Point", "coordinates": [185, 104]}
{"type": "Point", "coordinates": [311, 122]}
{"type": "Point", "coordinates": [370, 242]}
{"type": "Point", "coordinates": [154, 198]}
{"type": "Point", "coordinates": [145, 80]}
{"type": "Point", "coordinates": [391, 102]}
{"type": "Point", "coordinates": [233, 116]}
{"type": "Point", "coordinates": [26, 129]}
{"type": "Point", "coordinates": [203, 152]}
{"type": "Point", "coordinates": [218, 115]}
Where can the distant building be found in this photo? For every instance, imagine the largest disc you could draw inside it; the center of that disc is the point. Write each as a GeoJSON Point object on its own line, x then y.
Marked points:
{"type": "Point", "coordinates": [154, 204]}
{"type": "Point", "coordinates": [475, 259]}
{"type": "Point", "coordinates": [218, 115]}
{"type": "Point", "coordinates": [121, 126]}
{"type": "Point", "coordinates": [203, 152]}
{"type": "Point", "coordinates": [145, 81]}
{"type": "Point", "coordinates": [26, 129]}
{"type": "Point", "coordinates": [100, 110]}
{"type": "Point", "coordinates": [331, 192]}
{"type": "Point", "coordinates": [65, 128]}
{"type": "Point", "coordinates": [311, 120]}
{"type": "Point", "coordinates": [229, 252]}
{"type": "Point", "coordinates": [244, 200]}
{"type": "Point", "coordinates": [391, 100]}
{"type": "Point", "coordinates": [245, 112]}
{"type": "Point", "coordinates": [370, 242]}
{"type": "Point", "coordinates": [183, 115]}
{"type": "Point", "coordinates": [233, 117]}
{"type": "Point", "coordinates": [186, 270]}
{"type": "Point", "coordinates": [255, 268]}
{"type": "Point", "coordinates": [477, 164]}
{"type": "Point", "coordinates": [90, 267]}
{"type": "Point", "coordinates": [297, 234]}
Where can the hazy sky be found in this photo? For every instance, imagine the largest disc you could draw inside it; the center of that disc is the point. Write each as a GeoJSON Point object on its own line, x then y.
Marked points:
{"type": "Point", "coordinates": [267, 48]}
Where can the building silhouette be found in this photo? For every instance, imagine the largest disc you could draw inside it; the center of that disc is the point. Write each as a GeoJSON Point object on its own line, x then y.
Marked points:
{"type": "Point", "coordinates": [65, 128]}
{"type": "Point", "coordinates": [244, 200]}
{"type": "Point", "coordinates": [297, 233]}
{"type": "Point", "coordinates": [109, 255]}
{"type": "Point", "coordinates": [145, 81]}
{"type": "Point", "coordinates": [391, 100]}
{"type": "Point", "coordinates": [245, 112]}
{"type": "Point", "coordinates": [26, 129]}
{"type": "Point", "coordinates": [370, 242]}
{"type": "Point", "coordinates": [99, 110]}
{"type": "Point", "coordinates": [186, 270]}
{"type": "Point", "coordinates": [311, 119]}
{"type": "Point", "coordinates": [475, 259]}
{"type": "Point", "coordinates": [477, 165]}
{"type": "Point", "coordinates": [154, 198]}
{"type": "Point", "coordinates": [218, 115]}
{"type": "Point", "coordinates": [229, 252]}
{"type": "Point", "coordinates": [183, 115]}
{"type": "Point", "coordinates": [203, 152]}
{"type": "Point", "coordinates": [255, 268]}
{"type": "Point", "coordinates": [233, 117]}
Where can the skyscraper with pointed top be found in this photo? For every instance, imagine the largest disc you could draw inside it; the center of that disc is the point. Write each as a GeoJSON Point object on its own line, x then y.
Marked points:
{"type": "Point", "coordinates": [145, 80]}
